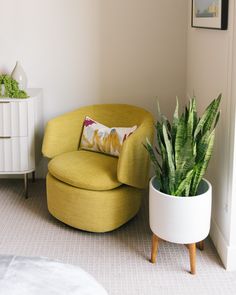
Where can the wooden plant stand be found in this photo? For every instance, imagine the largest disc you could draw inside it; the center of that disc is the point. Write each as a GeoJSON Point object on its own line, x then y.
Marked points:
{"type": "Point", "coordinates": [191, 248]}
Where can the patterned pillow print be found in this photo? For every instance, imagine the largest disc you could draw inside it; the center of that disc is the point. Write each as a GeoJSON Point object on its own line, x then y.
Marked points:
{"type": "Point", "coordinates": [100, 138]}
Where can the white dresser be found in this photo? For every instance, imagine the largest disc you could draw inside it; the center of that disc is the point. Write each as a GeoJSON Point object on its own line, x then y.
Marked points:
{"type": "Point", "coordinates": [20, 134]}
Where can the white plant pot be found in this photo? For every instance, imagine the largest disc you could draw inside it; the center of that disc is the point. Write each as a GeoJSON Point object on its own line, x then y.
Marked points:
{"type": "Point", "coordinates": [182, 220]}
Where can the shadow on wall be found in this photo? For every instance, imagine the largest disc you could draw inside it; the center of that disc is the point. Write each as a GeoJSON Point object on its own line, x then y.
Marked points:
{"type": "Point", "coordinates": [141, 54]}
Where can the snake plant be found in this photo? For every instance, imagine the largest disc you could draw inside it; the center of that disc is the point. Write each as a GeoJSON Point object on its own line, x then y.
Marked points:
{"type": "Point", "coordinates": [184, 148]}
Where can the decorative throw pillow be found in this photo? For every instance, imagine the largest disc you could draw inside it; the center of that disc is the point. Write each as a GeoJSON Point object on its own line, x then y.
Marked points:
{"type": "Point", "coordinates": [100, 138]}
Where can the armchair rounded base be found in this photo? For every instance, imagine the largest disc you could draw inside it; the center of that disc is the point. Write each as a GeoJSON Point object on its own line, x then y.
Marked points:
{"type": "Point", "coordinates": [93, 211]}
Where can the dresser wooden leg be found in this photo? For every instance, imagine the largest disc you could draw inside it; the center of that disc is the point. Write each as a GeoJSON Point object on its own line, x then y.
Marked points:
{"type": "Point", "coordinates": [200, 245]}
{"type": "Point", "coordinates": [192, 256]}
{"type": "Point", "coordinates": [33, 176]}
{"type": "Point", "coordinates": [154, 248]}
{"type": "Point", "coordinates": [26, 185]}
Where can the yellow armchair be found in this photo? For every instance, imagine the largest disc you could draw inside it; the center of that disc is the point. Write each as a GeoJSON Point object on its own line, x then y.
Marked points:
{"type": "Point", "coordinates": [92, 191]}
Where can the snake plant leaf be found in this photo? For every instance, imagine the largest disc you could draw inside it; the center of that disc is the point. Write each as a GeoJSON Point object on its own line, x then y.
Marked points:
{"type": "Point", "coordinates": [194, 110]}
{"type": "Point", "coordinates": [213, 114]}
{"type": "Point", "coordinates": [175, 121]}
{"type": "Point", "coordinates": [163, 154]}
{"type": "Point", "coordinates": [179, 141]}
{"type": "Point", "coordinates": [203, 119]}
{"type": "Point", "coordinates": [157, 151]}
{"type": "Point", "coordinates": [187, 189]}
{"type": "Point", "coordinates": [158, 127]}
{"type": "Point", "coordinates": [176, 112]}
{"type": "Point", "coordinates": [202, 166]}
{"type": "Point", "coordinates": [164, 171]}
{"type": "Point", "coordinates": [217, 119]}
{"type": "Point", "coordinates": [194, 150]}
{"type": "Point", "coordinates": [185, 164]}
{"type": "Point", "coordinates": [168, 127]}
{"type": "Point", "coordinates": [167, 124]}
{"type": "Point", "coordinates": [186, 114]}
{"type": "Point", "coordinates": [186, 161]}
{"type": "Point", "coordinates": [186, 182]}
{"type": "Point", "coordinates": [159, 114]}
{"type": "Point", "coordinates": [202, 146]}
{"type": "Point", "coordinates": [192, 116]}
{"type": "Point", "coordinates": [154, 160]}
{"type": "Point", "coordinates": [165, 184]}
{"type": "Point", "coordinates": [162, 118]}
{"type": "Point", "coordinates": [171, 166]}
{"type": "Point", "coordinates": [208, 117]}
{"type": "Point", "coordinates": [159, 136]}
{"type": "Point", "coordinates": [190, 122]}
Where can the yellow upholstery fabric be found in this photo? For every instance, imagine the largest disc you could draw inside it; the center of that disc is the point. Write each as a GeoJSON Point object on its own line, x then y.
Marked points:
{"type": "Point", "coordinates": [94, 211]}
{"type": "Point", "coordinates": [96, 193]}
{"type": "Point", "coordinates": [85, 169]}
{"type": "Point", "coordinates": [63, 134]}
{"type": "Point", "coordinates": [133, 163]}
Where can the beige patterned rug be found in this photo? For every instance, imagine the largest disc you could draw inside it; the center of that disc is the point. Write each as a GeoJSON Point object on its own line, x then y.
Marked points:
{"type": "Point", "coordinates": [118, 260]}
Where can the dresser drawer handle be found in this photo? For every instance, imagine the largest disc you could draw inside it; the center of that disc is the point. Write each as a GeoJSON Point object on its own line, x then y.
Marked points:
{"type": "Point", "coordinates": [5, 137]}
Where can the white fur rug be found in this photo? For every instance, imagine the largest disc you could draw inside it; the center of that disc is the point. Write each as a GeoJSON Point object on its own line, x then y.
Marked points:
{"type": "Point", "coordinates": [41, 276]}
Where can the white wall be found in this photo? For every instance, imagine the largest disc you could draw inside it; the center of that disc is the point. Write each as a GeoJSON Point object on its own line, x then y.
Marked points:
{"type": "Point", "coordinates": [97, 51]}
{"type": "Point", "coordinates": [94, 51]}
{"type": "Point", "coordinates": [58, 44]}
{"type": "Point", "coordinates": [232, 241]}
{"type": "Point", "coordinates": [143, 51]}
{"type": "Point", "coordinates": [209, 72]}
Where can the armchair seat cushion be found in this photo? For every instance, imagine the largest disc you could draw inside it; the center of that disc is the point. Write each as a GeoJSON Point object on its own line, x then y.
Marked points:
{"type": "Point", "coordinates": [86, 170]}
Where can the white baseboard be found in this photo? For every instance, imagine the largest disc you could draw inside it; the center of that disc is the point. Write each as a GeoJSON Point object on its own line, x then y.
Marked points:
{"type": "Point", "coordinates": [219, 242]}
{"type": "Point", "coordinates": [227, 253]}
{"type": "Point", "coordinates": [231, 261]}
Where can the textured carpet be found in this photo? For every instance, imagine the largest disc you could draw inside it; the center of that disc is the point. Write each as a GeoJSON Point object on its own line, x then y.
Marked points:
{"type": "Point", "coordinates": [118, 260]}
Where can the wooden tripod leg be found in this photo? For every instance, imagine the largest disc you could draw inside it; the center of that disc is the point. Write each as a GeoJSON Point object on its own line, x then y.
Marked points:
{"type": "Point", "coordinates": [192, 256]}
{"type": "Point", "coordinates": [200, 245]}
{"type": "Point", "coordinates": [154, 248]}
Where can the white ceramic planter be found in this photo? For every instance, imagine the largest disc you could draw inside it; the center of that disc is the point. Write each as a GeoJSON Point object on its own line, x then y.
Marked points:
{"type": "Point", "coordinates": [182, 220]}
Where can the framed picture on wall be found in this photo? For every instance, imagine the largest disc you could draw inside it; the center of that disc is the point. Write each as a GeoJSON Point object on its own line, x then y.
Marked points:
{"type": "Point", "coordinates": [210, 14]}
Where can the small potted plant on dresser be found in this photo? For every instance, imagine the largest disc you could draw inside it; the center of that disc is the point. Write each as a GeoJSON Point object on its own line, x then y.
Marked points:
{"type": "Point", "coordinates": [179, 196]}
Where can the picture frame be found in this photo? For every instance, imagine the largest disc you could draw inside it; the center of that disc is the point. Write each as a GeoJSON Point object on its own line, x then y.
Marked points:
{"type": "Point", "coordinates": [210, 14]}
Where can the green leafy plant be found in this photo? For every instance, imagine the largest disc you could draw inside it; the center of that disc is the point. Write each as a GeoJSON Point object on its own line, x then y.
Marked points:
{"type": "Point", "coordinates": [184, 148]}
{"type": "Point", "coordinates": [11, 88]}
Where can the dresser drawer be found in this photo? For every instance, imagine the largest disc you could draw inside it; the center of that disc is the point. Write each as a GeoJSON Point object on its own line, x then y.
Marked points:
{"type": "Point", "coordinates": [14, 154]}
{"type": "Point", "coordinates": [13, 118]}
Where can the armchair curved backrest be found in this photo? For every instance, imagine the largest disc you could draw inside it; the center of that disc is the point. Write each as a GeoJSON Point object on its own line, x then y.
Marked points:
{"type": "Point", "coordinates": [63, 134]}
